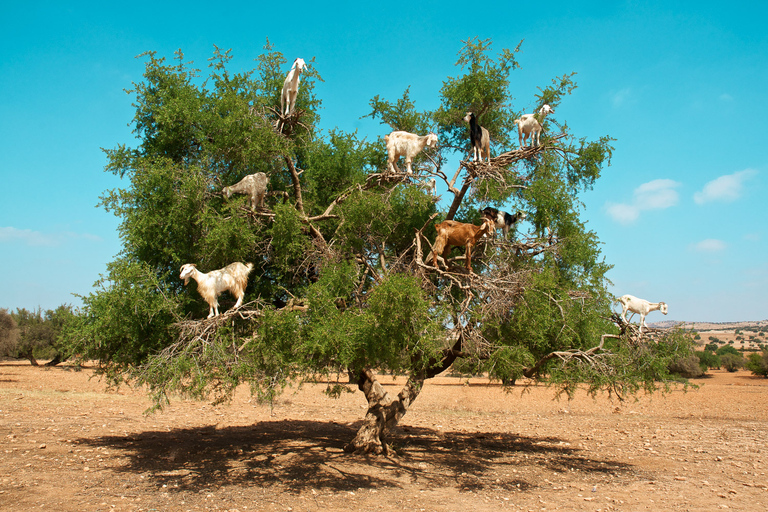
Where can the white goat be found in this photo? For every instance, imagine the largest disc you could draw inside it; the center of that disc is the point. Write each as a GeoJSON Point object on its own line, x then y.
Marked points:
{"type": "Point", "coordinates": [528, 124]}
{"type": "Point", "coordinates": [502, 220]}
{"type": "Point", "coordinates": [253, 185]}
{"type": "Point", "coordinates": [233, 277]}
{"type": "Point", "coordinates": [479, 138]}
{"type": "Point", "coordinates": [429, 185]}
{"type": "Point", "coordinates": [408, 145]}
{"type": "Point", "coordinates": [640, 306]}
{"type": "Point", "coordinates": [291, 87]}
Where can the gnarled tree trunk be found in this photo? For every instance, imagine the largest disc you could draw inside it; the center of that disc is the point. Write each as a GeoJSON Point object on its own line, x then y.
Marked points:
{"type": "Point", "coordinates": [386, 410]}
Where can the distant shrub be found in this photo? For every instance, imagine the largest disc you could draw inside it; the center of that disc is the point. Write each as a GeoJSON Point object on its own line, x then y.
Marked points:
{"type": "Point", "coordinates": [711, 347]}
{"type": "Point", "coordinates": [732, 362]}
{"type": "Point", "coordinates": [687, 367]}
{"type": "Point", "coordinates": [727, 349]}
{"type": "Point", "coordinates": [758, 363]}
{"type": "Point", "coordinates": [708, 360]}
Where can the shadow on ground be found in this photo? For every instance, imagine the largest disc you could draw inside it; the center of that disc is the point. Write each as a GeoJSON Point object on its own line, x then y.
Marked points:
{"type": "Point", "coordinates": [308, 455]}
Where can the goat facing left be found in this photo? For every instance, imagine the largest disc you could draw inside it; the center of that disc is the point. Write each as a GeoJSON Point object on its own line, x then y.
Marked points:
{"type": "Point", "coordinates": [253, 185]}
{"type": "Point", "coordinates": [232, 278]}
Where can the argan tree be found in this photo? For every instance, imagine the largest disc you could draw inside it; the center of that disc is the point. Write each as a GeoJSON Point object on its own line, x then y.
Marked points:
{"type": "Point", "coordinates": [342, 288]}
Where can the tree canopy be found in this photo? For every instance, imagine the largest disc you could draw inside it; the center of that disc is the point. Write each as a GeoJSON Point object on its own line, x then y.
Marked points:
{"type": "Point", "coordinates": [341, 289]}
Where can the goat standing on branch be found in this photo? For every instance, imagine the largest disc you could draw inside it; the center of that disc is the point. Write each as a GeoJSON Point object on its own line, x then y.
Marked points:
{"type": "Point", "coordinates": [502, 220]}
{"type": "Point", "coordinates": [232, 278]}
{"type": "Point", "coordinates": [456, 234]}
{"type": "Point", "coordinates": [479, 138]}
{"type": "Point", "coordinates": [253, 185]}
{"type": "Point", "coordinates": [291, 88]}
{"type": "Point", "coordinates": [640, 306]}
{"type": "Point", "coordinates": [527, 125]}
{"type": "Point", "coordinates": [408, 145]}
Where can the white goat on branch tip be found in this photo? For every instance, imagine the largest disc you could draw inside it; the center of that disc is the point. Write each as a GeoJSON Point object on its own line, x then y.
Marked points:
{"type": "Point", "coordinates": [406, 144]}
{"type": "Point", "coordinates": [479, 138]}
{"type": "Point", "coordinates": [456, 234]}
{"type": "Point", "coordinates": [253, 185]}
{"type": "Point", "coordinates": [232, 278]}
{"type": "Point", "coordinates": [527, 125]}
{"type": "Point", "coordinates": [291, 87]}
{"type": "Point", "coordinates": [640, 306]}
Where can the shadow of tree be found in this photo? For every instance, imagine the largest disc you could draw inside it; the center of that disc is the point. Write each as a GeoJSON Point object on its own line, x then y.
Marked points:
{"type": "Point", "coordinates": [308, 455]}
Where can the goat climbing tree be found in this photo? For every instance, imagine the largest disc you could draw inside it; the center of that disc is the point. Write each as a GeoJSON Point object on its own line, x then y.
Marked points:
{"type": "Point", "coordinates": [342, 288]}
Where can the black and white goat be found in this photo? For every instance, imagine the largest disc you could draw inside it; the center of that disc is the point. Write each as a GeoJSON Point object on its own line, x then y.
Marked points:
{"type": "Point", "coordinates": [479, 138]}
{"type": "Point", "coordinates": [502, 220]}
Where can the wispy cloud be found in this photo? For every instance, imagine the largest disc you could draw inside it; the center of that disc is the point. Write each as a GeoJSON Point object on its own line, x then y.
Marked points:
{"type": "Point", "coordinates": [39, 239]}
{"type": "Point", "coordinates": [709, 245]}
{"type": "Point", "coordinates": [725, 189]}
{"type": "Point", "coordinates": [726, 97]}
{"type": "Point", "coordinates": [653, 195]}
{"type": "Point", "coordinates": [622, 97]}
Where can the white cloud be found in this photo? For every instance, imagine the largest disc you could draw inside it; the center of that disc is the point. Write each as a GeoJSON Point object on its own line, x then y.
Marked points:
{"type": "Point", "coordinates": [622, 97]}
{"type": "Point", "coordinates": [726, 188]}
{"type": "Point", "coordinates": [38, 239]}
{"type": "Point", "coordinates": [726, 97]}
{"type": "Point", "coordinates": [710, 245]}
{"type": "Point", "coordinates": [653, 195]}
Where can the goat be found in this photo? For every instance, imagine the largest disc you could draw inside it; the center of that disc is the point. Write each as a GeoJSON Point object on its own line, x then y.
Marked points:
{"type": "Point", "coordinates": [479, 138]}
{"type": "Point", "coordinates": [527, 125]}
{"type": "Point", "coordinates": [291, 87]}
{"type": "Point", "coordinates": [233, 277]}
{"type": "Point", "coordinates": [429, 185]}
{"type": "Point", "coordinates": [640, 306]}
{"type": "Point", "coordinates": [502, 220]}
{"type": "Point", "coordinates": [253, 185]}
{"type": "Point", "coordinates": [456, 234]}
{"type": "Point", "coordinates": [408, 145]}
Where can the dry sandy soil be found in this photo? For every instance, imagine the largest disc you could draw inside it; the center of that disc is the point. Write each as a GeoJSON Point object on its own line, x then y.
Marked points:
{"type": "Point", "coordinates": [66, 444]}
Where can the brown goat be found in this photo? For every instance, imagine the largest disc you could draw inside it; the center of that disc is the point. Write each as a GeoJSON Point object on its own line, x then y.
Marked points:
{"type": "Point", "coordinates": [456, 234]}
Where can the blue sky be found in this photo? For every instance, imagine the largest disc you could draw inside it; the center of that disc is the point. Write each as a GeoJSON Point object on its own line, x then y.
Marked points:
{"type": "Point", "coordinates": [680, 85]}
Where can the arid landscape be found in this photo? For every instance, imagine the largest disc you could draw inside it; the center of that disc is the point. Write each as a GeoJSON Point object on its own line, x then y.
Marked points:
{"type": "Point", "coordinates": [68, 444]}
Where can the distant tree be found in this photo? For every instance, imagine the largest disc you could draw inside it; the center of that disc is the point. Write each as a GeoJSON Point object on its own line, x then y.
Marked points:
{"type": "Point", "coordinates": [40, 334]}
{"type": "Point", "coordinates": [732, 362]}
{"type": "Point", "coordinates": [708, 359]}
{"type": "Point", "coordinates": [340, 284]}
{"type": "Point", "coordinates": [688, 367]}
{"type": "Point", "coordinates": [9, 333]}
{"type": "Point", "coordinates": [697, 336]}
{"type": "Point", "coordinates": [710, 347]}
{"type": "Point", "coordinates": [757, 363]}
{"type": "Point", "coordinates": [727, 349]}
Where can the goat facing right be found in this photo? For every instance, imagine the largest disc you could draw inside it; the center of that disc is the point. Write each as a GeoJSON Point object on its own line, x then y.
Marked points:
{"type": "Point", "coordinates": [640, 306]}
{"type": "Point", "coordinates": [503, 220]}
{"type": "Point", "coordinates": [451, 233]}
{"type": "Point", "coordinates": [527, 125]}
{"type": "Point", "coordinates": [232, 278]}
{"type": "Point", "coordinates": [400, 143]}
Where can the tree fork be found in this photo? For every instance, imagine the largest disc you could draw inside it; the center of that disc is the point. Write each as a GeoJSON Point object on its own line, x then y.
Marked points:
{"type": "Point", "coordinates": [384, 410]}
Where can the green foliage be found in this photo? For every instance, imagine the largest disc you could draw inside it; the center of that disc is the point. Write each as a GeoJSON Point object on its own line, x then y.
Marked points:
{"type": "Point", "coordinates": [9, 333]}
{"type": "Point", "coordinates": [757, 363]}
{"type": "Point", "coordinates": [727, 349]}
{"type": "Point", "coordinates": [732, 362]}
{"type": "Point", "coordinates": [708, 359]}
{"type": "Point", "coordinates": [711, 347]}
{"type": "Point", "coordinates": [688, 367]}
{"type": "Point", "coordinates": [35, 334]}
{"type": "Point", "coordinates": [336, 283]}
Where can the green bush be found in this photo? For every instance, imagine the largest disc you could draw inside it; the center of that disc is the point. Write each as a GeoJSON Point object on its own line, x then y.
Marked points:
{"type": "Point", "coordinates": [708, 360]}
{"type": "Point", "coordinates": [732, 362]}
{"type": "Point", "coordinates": [687, 367]}
{"type": "Point", "coordinates": [758, 363]}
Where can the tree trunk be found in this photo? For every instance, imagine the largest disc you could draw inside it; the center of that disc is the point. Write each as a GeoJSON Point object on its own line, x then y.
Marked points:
{"type": "Point", "coordinates": [30, 356]}
{"type": "Point", "coordinates": [56, 360]}
{"type": "Point", "coordinates": [385, 410]}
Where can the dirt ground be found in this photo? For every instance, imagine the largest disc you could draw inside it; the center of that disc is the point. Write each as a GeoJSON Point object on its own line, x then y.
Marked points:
{"type": "Point", "coordinates": [66, 444]}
